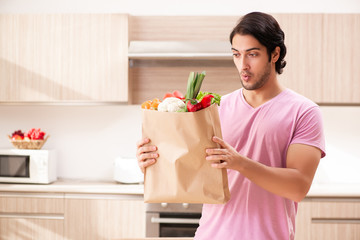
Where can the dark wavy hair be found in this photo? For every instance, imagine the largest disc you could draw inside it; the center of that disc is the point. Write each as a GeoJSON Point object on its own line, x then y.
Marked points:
{"type": "Point", "coordinates": [266, 30]}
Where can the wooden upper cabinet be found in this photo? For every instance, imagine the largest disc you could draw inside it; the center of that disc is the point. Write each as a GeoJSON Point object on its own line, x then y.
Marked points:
{"type": "Point", "coordinates": [63, 57]}
{"type": "Point", "coordinates": [323, 54]}
{"type": "Point", "coordinates": [341, 58]}
{"type": "Point", "coordinates": [303, 40]}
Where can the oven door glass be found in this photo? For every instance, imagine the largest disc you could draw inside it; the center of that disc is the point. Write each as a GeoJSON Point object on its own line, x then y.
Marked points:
{"type": "Point", "coordinates": [14, 166]}
{"type": "Point", "coordinates": [184, 228]}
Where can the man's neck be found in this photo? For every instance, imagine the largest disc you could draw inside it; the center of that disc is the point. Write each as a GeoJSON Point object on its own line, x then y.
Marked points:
{"type": "Point", "coordinates": [259, 96]}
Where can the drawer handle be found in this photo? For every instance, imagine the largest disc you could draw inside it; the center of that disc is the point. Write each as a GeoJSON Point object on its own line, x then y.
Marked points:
{"type": "Point", "coordinates": [336, 220]}
{"type": "Point", "coordinates": [175, 220]}
{"type": "Point", "coordinates": [32, 215]}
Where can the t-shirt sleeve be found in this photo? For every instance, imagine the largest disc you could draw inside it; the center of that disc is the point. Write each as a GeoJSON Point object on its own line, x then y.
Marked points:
{"type": "Point", "coordinates": [309, 129]}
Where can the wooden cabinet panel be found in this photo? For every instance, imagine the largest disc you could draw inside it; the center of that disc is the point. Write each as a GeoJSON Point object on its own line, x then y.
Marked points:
{"type": "Point", "coordinates": [323, 54]}
{"type": "Point", "coordinates": [104, 219]}
{"type": "Point", "coordinates": [31, 203]}
{"type": "Point", "coordinates": [63, 57]}
{"type": "Point", "coordinates": [31, 229]}
{"type": "Point", "coordinates": [333, 219]}
{"type": "Point", "coordinates": [341, 58]}
{"type": "Point", "coordinates": [181, 28]}
{"type": "Point", "coordinates": [31, 216]}
{"type": "Point", "coordinates": [152, 79]}
{"type": "Point", "coordinates": [303, 40]}
{"type": "Point", "coordinates": [303, 221]}
{"type": "Point", "coordinates": [335, 231]}
{"type": "Point", "coordinates": [336, 209]}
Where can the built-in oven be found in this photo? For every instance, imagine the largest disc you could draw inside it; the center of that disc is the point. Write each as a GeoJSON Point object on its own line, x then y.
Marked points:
{"type": "Point", "coordinates": [172, 219]}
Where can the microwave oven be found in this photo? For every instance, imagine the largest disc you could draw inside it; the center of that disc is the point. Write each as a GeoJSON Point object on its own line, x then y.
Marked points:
{"type": "Point", "coordinates": [27, 166]}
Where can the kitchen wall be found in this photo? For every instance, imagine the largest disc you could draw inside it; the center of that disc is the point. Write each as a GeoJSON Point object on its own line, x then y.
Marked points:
{"type": "Point", "coordinates": [181, 7]}
{"type": "Point", "coordinates": [89, 138]}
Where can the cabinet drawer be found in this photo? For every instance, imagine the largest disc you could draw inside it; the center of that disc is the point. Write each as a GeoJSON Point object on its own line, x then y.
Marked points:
{"type": "Point", "coordinates": [336, 209]}
{"type": "Point", "coordinates": [32, 203]}
{"type": "Point", "coordinates": [31, 229]}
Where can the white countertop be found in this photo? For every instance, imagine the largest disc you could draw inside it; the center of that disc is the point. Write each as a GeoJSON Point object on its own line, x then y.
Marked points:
{"type": "Point", "coordinates": [334, 190]}
{"type": "Point", "coordinates": [112, 187]}
{"type": "Point", "coordinates": [76, 186]}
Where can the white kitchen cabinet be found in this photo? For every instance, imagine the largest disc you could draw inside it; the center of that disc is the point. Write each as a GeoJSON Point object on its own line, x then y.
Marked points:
{"type": "Point", "coordinates": [63, 58]}
{"type": "Point", "coordinates": [31, 216]}
{"type": "Point", "coordinates": [104, 217]}
{"type": "Point", "coordinates": [328, 218]}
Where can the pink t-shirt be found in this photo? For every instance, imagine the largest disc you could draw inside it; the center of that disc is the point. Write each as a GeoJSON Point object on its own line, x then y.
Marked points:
{"type": "Point", "coordinates": [263, 134]}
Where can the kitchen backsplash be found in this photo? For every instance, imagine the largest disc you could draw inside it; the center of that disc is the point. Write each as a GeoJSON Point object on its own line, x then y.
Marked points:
{"type": "Point", "coordinates": [89, 138]}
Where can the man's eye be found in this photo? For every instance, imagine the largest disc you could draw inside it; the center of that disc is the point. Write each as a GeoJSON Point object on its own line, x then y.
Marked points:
{"type": "Point", "coordinates": [236, 54]}
{"type": "Point", "coordinates": [252, 54]}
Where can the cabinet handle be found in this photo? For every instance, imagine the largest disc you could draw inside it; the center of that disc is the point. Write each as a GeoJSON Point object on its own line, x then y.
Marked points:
{"type": "Point", "coordinates": [336, 220]}
{"type": "Point", "coordinates": [32, 215]}
{"type": "Point", "coordinates": [175, 220]}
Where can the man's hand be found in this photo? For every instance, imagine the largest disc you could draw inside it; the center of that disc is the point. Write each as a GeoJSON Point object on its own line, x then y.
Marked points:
{"type": "Point", "coordinates": [146, 155]}
{"type": "Point", "coordinates": [224, 157]}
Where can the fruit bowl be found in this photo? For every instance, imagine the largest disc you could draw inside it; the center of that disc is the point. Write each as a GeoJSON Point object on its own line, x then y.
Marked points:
{"type": "Point", "coordinates": [28, 144]}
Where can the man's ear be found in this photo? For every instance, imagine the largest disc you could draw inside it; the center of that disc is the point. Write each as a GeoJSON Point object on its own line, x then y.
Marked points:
{"type": "Point", "coordinates": [275, 54]}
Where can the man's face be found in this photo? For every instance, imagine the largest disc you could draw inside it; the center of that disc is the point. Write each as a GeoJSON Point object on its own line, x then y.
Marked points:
{"type": "Point", "coordinates": [251, 60]}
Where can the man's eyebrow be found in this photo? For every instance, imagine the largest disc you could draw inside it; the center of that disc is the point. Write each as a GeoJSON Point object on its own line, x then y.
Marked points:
{"type": "Point", "coordinates": [247, 50]}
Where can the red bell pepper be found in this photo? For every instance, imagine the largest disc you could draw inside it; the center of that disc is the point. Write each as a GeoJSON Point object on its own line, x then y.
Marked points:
{"type": "Point", "coordinates": [193, 106]}
{"type": "Point", "coordinates": [206, 101]}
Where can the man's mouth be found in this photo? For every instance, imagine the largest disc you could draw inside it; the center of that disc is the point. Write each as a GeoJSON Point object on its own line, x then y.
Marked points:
{"type": "Point", "coordinates": [245, 76]}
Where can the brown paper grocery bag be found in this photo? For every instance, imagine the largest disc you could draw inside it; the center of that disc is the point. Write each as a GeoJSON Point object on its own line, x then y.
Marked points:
{"type": "Point", "coordinates": [181, 173]}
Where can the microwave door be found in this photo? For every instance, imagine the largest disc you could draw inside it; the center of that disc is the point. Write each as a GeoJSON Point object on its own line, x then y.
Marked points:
{"type": "Point", "coordinates": [14, 166]}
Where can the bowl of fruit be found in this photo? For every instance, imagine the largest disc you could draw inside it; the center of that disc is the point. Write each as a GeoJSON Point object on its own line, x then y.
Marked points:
{"type": "Point", "coordinates": [33, 139]}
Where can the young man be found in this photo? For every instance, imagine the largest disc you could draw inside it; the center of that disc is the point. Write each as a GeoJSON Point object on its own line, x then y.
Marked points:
{"type": "Point", "coordinates": [272, 142]}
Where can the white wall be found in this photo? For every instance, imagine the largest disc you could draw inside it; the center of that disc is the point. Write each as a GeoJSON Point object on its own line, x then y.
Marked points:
{"type": "Point", "coordinates": [180, 7]}
{"type": "Point", "coordinates": [89, 138]}
{"type": "Point", "coordinates": [342, 132]}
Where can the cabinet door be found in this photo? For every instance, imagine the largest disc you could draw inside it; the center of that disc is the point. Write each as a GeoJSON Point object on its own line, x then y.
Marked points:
{"type": "Point", "coordinates": [336, 219]}
{"type": "Point", "coordinates": [31, 216]}
{"type": "Point", "coordinates": [341, 58]}
{"type": "Point", "coordinates": [104, 218]}
{"type": "Point", "coordinates": [303, 39]}
{"type": "Point", "coordinates": [28, 203]}
{"type": "Point", "coordinates": [63, 57]}
{"type": "Point", "coordinates": [303, 221]}
{"type": "Point", "coordinates": [336, 230]}
{"type": "Point", "coordinates": [30, 228]}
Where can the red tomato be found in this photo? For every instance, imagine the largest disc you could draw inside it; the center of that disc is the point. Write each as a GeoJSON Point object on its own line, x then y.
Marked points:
{"type": "Point", "coordinates": [178, 94]}
{"type": "Point", "coordinates": [168, 94]}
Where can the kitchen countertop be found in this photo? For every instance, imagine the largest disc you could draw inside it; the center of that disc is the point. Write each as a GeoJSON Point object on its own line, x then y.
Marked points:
{"type": "Point", "coordinates": [112, 187]}
{"type": "Point", "coordinates": [334, 190]}
{"type": "Point", "coordinates": [160, 238]}
{"type": "Point", "coordinates": [76, 186]}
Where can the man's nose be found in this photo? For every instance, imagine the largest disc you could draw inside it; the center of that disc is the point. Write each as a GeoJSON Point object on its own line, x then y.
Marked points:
{"type": "Point", "coordinates": [243, 63]}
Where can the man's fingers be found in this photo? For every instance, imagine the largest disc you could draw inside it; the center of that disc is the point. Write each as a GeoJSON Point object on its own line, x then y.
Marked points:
{"type": "Point", "coordinates": [142, 142]}
{"type": "Point", "coordinates": [144, 164]}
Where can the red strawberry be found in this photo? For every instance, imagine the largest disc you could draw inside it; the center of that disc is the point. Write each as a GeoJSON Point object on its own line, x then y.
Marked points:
{"type": "Point", "coordinates": [35, 134]}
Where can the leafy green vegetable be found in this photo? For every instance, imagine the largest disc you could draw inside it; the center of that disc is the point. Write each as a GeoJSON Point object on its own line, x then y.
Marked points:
{"type": "Point", "coordinates": [194, 84]}
{"type": "Point", "coordinates": [216, 99]}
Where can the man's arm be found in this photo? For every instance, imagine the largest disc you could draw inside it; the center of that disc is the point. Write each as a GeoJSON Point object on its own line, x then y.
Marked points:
{"type": "Point", "coordinates": [292, 182]}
